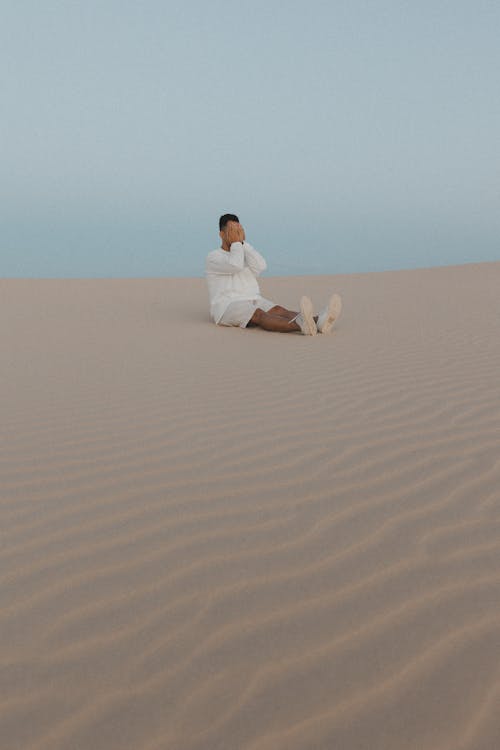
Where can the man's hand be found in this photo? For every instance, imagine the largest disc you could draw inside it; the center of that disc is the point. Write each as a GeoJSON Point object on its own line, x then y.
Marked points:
{"type": "Point", "coordinates": [234, 232]}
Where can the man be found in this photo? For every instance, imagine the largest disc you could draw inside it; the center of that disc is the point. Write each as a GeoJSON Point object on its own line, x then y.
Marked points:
{"type": "Point", "coordinates": [235, 298]}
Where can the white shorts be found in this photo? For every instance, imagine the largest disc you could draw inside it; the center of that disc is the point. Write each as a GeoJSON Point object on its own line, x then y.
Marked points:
{"type": "Point", "coordinates": [239, 312]}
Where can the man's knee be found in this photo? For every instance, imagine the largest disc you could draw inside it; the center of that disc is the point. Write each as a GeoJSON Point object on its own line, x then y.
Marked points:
{"type": "Point", "coordinates": [257, 316]}
{"type": "Point", "coordinates": [278, 310]}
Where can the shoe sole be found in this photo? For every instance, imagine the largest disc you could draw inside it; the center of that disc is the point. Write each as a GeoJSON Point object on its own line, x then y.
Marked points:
{"type": "Point", "coordinates": [307, 311]}
{"type": "Point", "coordinates": [334, 310]}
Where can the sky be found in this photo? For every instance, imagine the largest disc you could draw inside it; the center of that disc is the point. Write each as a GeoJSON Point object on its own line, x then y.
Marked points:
{"type": "Point", "coordinates": [348, 136]}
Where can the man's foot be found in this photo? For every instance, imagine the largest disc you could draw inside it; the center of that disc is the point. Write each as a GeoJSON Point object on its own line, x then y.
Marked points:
{"type": "Point", "coordinates": [305, 319]}
{"type": "Point", "coordinates": [329, 314]}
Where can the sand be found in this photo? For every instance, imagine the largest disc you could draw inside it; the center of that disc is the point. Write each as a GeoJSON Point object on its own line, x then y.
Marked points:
{"type": "Point", "coordinates": [219, 539]}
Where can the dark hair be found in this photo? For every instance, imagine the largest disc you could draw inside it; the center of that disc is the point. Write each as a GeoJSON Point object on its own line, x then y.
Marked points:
{"type": "Point", "coordinates": [225, 218]}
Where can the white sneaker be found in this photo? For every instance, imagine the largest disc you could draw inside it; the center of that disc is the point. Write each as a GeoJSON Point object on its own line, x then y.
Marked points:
{"type": "Point", "coordinates": [305, 318]}
{"type": "Point", "coordinates": [329, 314]}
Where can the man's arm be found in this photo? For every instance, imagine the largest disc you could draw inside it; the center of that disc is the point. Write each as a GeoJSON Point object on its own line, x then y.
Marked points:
{"type": "Point", "coordinates": [227, 262]}
{"type": "Point", "coordinates": [254, 259]}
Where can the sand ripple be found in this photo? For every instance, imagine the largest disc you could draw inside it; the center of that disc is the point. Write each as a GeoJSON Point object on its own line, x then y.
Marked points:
{"type": "Point", "coordinates": [215, 539]}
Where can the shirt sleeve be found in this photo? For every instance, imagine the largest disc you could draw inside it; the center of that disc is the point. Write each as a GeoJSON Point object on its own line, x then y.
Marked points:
{"type": "Point", "coordinates": [254, 259]}
{"type": "Point", "coordinates": [227, 262]}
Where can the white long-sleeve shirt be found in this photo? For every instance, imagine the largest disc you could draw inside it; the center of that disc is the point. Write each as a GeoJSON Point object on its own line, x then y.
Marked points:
{"type": "Point", "coordinates": [232, 276]}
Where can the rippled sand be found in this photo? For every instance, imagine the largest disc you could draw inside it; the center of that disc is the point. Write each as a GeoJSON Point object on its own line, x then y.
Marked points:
{"type": "Point", "coordinates": [217, 539]}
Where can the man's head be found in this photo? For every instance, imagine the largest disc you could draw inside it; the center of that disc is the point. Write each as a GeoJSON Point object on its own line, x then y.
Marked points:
{"type": "Point", "coordinates": [225, 219]}
{"type": "Point", "coordinates": [230, 230]}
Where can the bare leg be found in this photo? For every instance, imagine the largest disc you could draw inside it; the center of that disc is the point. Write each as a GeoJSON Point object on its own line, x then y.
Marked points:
{"type": "Point", "coordinates": [272, 322]}
{"type": "Point", "coordinates": [284, 313]}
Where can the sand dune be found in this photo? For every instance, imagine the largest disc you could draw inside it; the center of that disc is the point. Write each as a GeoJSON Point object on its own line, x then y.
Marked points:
{"type": "Point", "coordinates": [217, 539]}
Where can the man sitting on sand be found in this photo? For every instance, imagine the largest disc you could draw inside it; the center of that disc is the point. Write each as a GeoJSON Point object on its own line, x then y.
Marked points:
{"type": "Point", "coordinates": [235, 298]}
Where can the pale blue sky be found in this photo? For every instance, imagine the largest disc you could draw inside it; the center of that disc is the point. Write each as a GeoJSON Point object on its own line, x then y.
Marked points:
{"type": "Point", "coordinates": [348, 136]}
